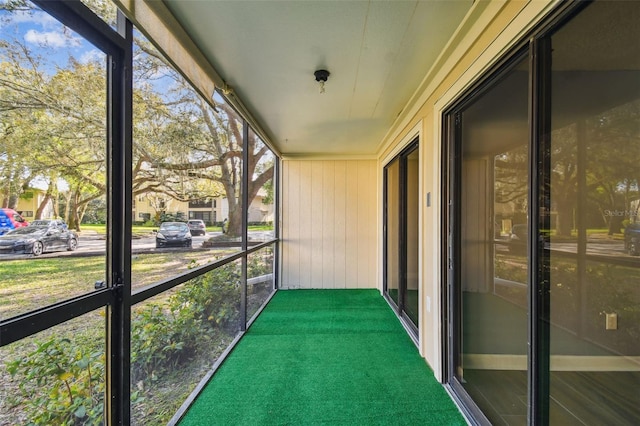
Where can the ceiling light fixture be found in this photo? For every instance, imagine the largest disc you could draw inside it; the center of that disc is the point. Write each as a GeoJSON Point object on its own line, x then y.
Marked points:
{"type": "Point", "coordinates": [321, 77]}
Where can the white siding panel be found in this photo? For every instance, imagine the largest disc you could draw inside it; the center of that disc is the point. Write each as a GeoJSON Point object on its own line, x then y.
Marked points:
{"type": "Point", "coordinates": [366, 239]}
{"type": "Point", "coordinates": [329, 224]}
{"type": "Point", "coordinates": [305, 246]}
{"type": "Point", "coordinates": [317, 191]}
{"type": "Point", "coordinates": [339, 215]}
{"type": "Point", "coordinates": [351, 225]}
{"type": "Point", "coordinates": [372, 217]}
{"type": "Point", "coordinates": [284, 223]}
{"type": "Point", "coordinates": [294, 224]}
{"type": "Point", "coordinates": [328, 218]}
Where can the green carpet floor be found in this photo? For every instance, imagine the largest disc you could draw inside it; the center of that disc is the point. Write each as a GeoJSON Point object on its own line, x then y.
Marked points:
{"type": "Point", "coordinates": [324, 357]}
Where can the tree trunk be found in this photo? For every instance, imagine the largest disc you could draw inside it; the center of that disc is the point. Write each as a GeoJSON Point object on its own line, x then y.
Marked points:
{"type": "Point", "coordinates": [615, 224]}
{"type": "Point", "coordinates": [13, 202]}
{"type": "Point", "coordinates": [73, 211]}
{"type": "Point", "coordinates": [43, 203]}
{"type": "Point", "coordinates": [564, 220]}
{"type": "Point", "coordinates": [42, 206]}
{"type": "Point", "coordinates": [234, 226]}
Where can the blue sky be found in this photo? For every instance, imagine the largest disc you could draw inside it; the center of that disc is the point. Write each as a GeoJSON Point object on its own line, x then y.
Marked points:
{"type": "Point", "coordinates": [51, 41]}
{"type": "Point", "coordinates": [47, 37]}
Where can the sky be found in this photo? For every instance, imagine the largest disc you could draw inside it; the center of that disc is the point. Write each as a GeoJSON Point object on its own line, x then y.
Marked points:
{"type": "Point", "coordinates": [53, 42]}
{"type": "Point", "coordinates": [45, 36]}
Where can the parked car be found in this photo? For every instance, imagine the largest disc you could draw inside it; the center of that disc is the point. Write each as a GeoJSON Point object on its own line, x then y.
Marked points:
{"type": "Point", "coordinates": [632, 239]}
{"type": "Point", "coordinates": [10, 220]}
{"type": "Point", "coordinates": [38, 239]}
{"type": "Point", "coordinates": [49, 222]}
{"type": "Point", "coordinates": [196, 227]}
{"type": "Point", "coordinates": [175, 234]}
{"type": "Point", "coordinates": [518, 239]}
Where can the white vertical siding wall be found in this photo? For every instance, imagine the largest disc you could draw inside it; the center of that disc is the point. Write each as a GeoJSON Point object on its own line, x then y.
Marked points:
{"type": "Point", "coordinates": [329, 224]}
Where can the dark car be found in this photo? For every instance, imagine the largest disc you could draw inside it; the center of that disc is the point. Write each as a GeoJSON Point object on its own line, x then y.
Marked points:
{"type": "Point", "coordinates": [518, 239]}
{"type": "Point", "coordinates": [196, 226]}
{"type": "Point", "coordinates": [50, 222]}
{"type": "Point", "coordinates": [38, 239]}
{"type": "Point", "coordinates": [174, 234]}
{"type": "Point", "coordinates": [632, 239]}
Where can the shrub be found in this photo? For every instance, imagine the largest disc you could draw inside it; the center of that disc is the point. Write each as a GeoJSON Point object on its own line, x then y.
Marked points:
{"type": "Point", "coordinates": [164, 337]}
{"type": "Point", "coordinates": [213, 298]}
{"type": "Point", "coordinates": [70, 381]}
{"type": "Point", "coordinates": [62, 382]}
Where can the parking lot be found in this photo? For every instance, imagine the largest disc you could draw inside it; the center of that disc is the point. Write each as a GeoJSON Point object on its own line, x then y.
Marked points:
{"type": "Point", "coordinates": [91, 243]}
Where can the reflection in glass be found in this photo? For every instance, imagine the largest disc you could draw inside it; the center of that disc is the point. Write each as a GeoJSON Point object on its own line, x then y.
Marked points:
{"type": "Point", "coordinates": [260, 279]}
{"type": "Point", "coordinates": [57, 376]}
{"type": "Point", "coordinates": [492, 365]}
{"type": "Point", "coordinates": [595, 152]}
{"type": "Point", "coordinates": [105, 9]}
{"type": "Point", "coordinates": [392, 243]}
{"type": "Point", "coordinates": [410, 303]}
{"type": "Point", "coordinates": [53, 160]}
{"type": "Point", "coordinates": [402, 233]}
{"type": "Point", "coordinates": [261, 211]}
{"type": "Point", "coordinates": [176, 338]}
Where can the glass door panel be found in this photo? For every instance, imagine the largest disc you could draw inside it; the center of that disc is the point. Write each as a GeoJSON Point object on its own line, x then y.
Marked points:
{"type": "Point", "coordinates": [392, 243]}
{"type": "Point", "coordinates": [410, 302]}
{"type": "Point", "coordinates": [401, 240]}
{"type": "Point", "coordinates": [594, 205]}
{"type": "Point", "coordinates": [492, 288]}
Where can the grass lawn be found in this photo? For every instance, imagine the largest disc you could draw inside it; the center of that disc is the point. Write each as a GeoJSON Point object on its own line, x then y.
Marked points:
{"type": "Point", "coordinates": [28, 284]}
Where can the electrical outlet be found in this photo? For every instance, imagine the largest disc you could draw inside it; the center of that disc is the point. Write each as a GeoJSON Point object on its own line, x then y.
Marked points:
{"type": "Point", "coordinates": [612, 322]}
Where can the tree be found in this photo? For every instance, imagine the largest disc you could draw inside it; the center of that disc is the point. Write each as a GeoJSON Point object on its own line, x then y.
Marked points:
{"type": "Point", "coordinates": [613, 141]}
{"type": "Point", "coordinates": [184, 147]}
{"type": "Point", "coordinates": [201, 142]}
{"type": "Point", "coordinates": [54, 123]}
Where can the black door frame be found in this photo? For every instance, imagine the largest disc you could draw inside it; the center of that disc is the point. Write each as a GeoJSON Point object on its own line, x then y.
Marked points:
{"type": "Point", "coordinates": [402, 232]}
{"type": "Point", "coordinates": [538, 47]}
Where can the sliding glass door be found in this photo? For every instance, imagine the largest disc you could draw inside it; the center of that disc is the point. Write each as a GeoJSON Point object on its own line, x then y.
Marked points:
{"type": "Point", "coordinates": [401, 234]}
{"type": "Point", "coordinates": [543, 206]}
{"type": "Point", "coordinates": [593, 178]}
{"type": "Point", "coordinates": [490, 295]}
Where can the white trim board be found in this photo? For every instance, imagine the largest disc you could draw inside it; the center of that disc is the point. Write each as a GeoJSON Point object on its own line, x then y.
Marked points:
{"type": "Point", "coordinates": [558, 362]}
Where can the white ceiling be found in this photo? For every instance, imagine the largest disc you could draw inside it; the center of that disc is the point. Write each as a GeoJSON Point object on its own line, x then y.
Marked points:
{"type": "Point", "coordinates": [378, 52]}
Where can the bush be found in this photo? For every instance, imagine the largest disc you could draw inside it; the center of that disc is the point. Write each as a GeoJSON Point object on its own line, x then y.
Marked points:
{"type": "Point", "coordinates": [172, 217]}
{"type": "Point", "coordinates": [61, 382]}
{"type": "Point", "coordinates": [164, 338]}
{"type": "Point", "coordinates": [70, 380]}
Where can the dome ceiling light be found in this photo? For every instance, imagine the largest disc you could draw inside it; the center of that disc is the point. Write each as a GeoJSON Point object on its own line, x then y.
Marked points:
{"type": "Point", "coordinates": [321, 77]}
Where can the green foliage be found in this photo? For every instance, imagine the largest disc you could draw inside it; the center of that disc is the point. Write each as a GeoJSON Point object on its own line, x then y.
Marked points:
{"type": "Point", "coordinates": [61, 381]}
{"type": "Point", "coordinates": [164, 337]}
{"type": "Point", "coordinates": [213, 298]}
{"type": "Point", "coordinates": [260, 263]}
{"type": "Point", "coordinates": [172, 217]}
{"type": "Point", "coordinates": [160, 341]}
{"type": "Point", "coordinates": [70, 379]}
